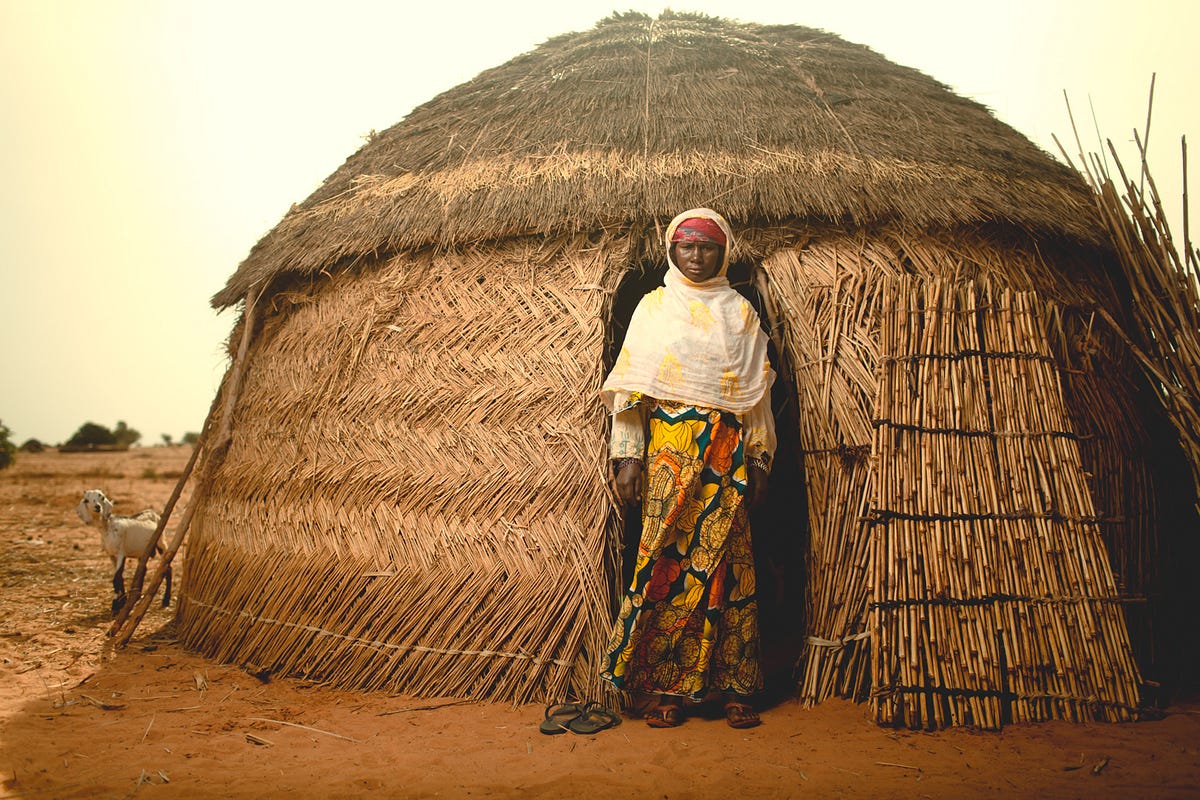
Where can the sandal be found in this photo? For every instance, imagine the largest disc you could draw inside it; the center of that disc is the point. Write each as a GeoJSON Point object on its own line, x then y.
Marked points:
{"type": "Point", "coordinates": [595, 718]}
{"type": "Point", "coordinates": [558, 717]}
{"type": "Point", "coordinates": [740, 715]}
{"type": "Point", "coordinates": [665, 716]}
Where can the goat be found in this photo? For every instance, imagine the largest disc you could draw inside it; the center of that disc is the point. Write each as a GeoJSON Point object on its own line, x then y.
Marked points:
{"type": "Point", "coordinates": [122, 537]}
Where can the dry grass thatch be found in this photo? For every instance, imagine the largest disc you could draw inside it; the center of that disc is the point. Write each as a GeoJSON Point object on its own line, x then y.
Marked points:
{"type": "Point", "coordinates": [600, 129]}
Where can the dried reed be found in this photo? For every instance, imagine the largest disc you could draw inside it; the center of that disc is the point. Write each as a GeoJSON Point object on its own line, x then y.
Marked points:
{"type": "Point", "coordinates": [1163, 330]}
{"type": "Point", "coordinates": [933, 477]}
{"type": "Point", "coordinates": [414, 496]}
{"type": "Point", "coordinates": [991, 593]}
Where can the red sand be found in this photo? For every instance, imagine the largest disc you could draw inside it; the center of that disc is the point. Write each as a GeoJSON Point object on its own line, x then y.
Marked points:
{"type": "Point", "coordinates": [77, 720]}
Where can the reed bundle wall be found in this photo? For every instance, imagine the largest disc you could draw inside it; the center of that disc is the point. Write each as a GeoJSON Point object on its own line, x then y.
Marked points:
{"type": "Point", "coordinates": [992, 598]}
{"type": "Point", "coordinates": [414, 498]}
{"type": "Point", "coordinates": [828, 291]}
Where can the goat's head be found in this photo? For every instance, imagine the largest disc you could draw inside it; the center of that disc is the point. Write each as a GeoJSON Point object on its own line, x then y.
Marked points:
{"type": "Point", "coordinates": [93, 502]}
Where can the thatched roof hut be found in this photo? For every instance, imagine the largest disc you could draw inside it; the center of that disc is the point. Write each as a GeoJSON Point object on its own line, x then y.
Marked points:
{"type": "Point", "coordinates": [415, 498]}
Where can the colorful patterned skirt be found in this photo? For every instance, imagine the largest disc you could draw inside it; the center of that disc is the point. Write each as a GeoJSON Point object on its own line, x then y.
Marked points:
{"type": "Point", "coordinates": [689, 623]}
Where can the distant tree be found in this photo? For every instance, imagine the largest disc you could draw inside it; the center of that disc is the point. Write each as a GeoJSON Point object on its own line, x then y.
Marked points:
{"type": "Point", "coordinates": [166, 437]}
{"type": "Point", "coordinates": [190, 437]}
{"type": "Point", "coordinates": [90, 433]}
{"type": "Point", "coordinates": [8, 451]}
{"type": "Point", "coordinates": [125, 435]}
{"type": "Point", "coordinates": [32, 446]}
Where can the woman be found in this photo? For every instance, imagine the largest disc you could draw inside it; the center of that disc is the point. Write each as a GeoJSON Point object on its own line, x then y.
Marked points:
{"type": "Point", "coordinates": [692, 439]}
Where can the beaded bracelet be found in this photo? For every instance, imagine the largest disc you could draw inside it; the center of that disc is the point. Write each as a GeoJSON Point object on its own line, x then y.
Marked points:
{"type": "Point", "coordinates": [620, 464]}
{"type": "Point", "coordinates": [759, 461]}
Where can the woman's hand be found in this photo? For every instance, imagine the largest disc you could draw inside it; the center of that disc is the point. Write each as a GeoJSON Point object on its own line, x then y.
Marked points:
{"type": "Point", "coordinates": [629, 483]}
{"type": "Point", "coordinates": [756, 486]}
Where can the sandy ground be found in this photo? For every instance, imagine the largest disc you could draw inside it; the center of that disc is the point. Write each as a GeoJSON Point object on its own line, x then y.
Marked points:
{"type": "Point", "coordinates": [78, 719]}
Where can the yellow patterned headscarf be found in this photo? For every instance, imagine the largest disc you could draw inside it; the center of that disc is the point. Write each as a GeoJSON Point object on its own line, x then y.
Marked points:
{"type": "Point", "coordinates": [695, 343]}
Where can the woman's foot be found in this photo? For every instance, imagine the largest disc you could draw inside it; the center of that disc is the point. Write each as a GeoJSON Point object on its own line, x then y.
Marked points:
{"type": "Point", "coordinates": [740, 715]}
{"type": "Point", "coordinates": [665, 715]}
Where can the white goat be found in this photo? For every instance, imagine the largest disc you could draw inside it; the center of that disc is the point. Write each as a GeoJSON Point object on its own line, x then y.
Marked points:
{"type": "Point", "coordinates": [121, 537]}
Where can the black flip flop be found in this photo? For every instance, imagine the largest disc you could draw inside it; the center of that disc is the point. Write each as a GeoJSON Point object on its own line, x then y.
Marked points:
{"type": "Point", "coordinates": [595, 718]}
{"type": "Point", "coordinates": [558, 716]}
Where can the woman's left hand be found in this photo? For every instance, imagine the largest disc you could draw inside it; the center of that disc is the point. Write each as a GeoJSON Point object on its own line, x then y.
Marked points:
{"type": "Point", "coordinates": [630, 483]}
{"type": "Point", "coordinates": [756, 486]}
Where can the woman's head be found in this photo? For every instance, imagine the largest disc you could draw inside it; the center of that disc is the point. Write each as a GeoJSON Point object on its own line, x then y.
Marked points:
{"type": "Point", "coordinates": [698, 244]}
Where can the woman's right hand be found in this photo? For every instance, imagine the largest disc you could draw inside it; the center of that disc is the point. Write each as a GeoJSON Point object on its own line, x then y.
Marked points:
{"type": "Point", "coordinates": [629, 483]}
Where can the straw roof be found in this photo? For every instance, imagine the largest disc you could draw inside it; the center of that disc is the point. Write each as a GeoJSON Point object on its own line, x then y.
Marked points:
{"type": "Point", "coordinates": [626, 123]}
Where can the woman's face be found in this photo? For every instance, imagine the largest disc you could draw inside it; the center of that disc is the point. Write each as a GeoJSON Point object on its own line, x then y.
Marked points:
{"type": "Point", "coordinates": [698, 261]}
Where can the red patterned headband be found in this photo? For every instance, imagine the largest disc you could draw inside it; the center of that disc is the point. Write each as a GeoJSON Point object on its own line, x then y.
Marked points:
{"type": "Point", "coordinates": [699, 229]}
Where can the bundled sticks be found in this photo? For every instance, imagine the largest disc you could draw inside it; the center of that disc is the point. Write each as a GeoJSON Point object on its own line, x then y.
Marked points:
{"type": "Point", "coordinates": [1163, 326]}
{"type": "Point", "coordinates": [937, 442]}
{"type": "Point", "coordinates": [992, 598]}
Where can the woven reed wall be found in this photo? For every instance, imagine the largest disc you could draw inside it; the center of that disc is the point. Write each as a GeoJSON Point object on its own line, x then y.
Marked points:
{"type": "Point", "coordinates": [414, 497]}
{"type": "Point", "coordinates": [829, 292]}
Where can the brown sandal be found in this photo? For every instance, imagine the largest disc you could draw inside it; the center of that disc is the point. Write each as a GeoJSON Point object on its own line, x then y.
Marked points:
{"type": "Point", "coordinates": [665, 716]}
{"type": "Point", "coordinates": [740, 715]}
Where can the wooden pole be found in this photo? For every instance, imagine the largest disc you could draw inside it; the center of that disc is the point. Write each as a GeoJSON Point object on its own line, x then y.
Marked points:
{"type": "Point", "coordinates": [213, 457]}
{"type": "Point", "coordinates": [135, 591]}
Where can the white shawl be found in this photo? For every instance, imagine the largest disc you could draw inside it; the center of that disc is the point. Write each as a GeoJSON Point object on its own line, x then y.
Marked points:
{"type": "Point", "coordinates": [694, 343]}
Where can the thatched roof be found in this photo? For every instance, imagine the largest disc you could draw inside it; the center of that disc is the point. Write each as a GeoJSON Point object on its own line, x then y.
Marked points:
{"type": "Point", "coordinates": [629, 122]}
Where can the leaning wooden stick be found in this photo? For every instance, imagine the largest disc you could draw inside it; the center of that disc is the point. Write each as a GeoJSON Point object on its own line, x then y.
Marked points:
{"type": "Point", "coordinates": [135, 591]}
{"type": "Point", "coordinates": [214, 455]}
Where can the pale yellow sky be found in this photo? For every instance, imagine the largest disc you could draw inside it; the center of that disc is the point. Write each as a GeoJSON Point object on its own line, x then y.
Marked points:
{"type": "Point", "coordinates": [147, 144]}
